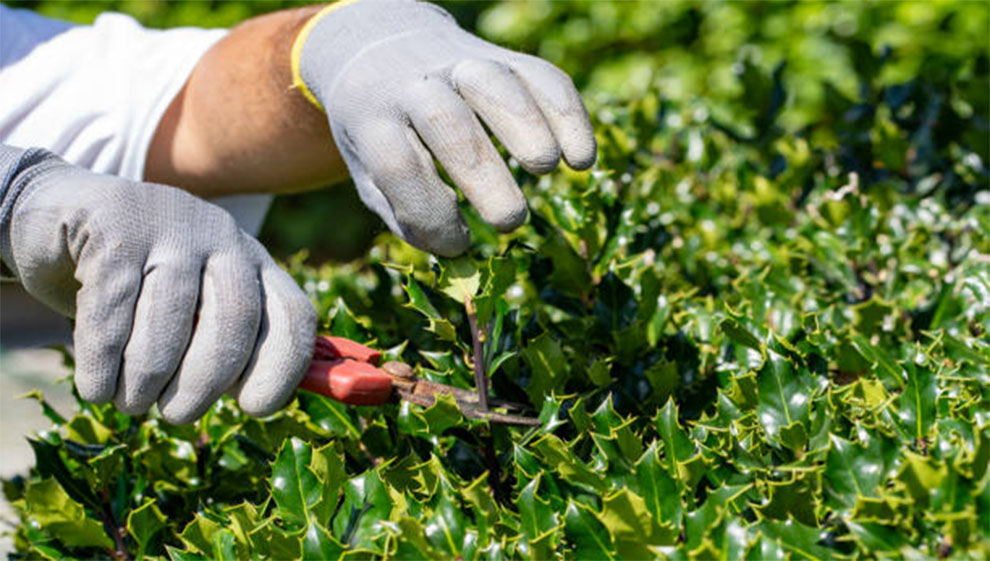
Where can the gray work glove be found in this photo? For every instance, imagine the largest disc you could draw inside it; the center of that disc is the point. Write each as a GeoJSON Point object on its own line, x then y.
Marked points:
{"type": "Point", "coordinates": [400, 80]}
{"type": "Point", "coordinates": [173, 303]}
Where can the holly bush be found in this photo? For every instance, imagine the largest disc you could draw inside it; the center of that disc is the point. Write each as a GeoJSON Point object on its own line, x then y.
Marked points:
{"type": "Point", "coordinates": [757, 328]}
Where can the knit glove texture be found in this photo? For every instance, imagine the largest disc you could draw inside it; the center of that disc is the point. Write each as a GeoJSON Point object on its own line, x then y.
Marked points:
{"type": "Point", "coordinates": [402, 84]}
{"type": "Point", "coordinates": [173, 303]}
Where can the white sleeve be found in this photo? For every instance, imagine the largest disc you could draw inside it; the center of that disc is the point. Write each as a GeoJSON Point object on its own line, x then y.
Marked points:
{"type": "Point", "coordinates": [94, 94]}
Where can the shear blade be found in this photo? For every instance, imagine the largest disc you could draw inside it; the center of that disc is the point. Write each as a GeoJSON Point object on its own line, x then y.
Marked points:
{"type": "Point", "coordinates": [501, 418]}
{"type": "Point", "coordinates": [471, 411]}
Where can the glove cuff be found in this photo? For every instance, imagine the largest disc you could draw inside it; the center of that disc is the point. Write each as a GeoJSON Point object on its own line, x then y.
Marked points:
{"type": "Point", "coordinates": [325, 45]}
{"type": "Point", "coordinates": [15, 175]}
{"type": "Point", "coordinates": [297, 47]}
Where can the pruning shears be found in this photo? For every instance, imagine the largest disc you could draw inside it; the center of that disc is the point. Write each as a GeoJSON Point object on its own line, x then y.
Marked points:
{"type": "Point", "coordinates": [351, 373]}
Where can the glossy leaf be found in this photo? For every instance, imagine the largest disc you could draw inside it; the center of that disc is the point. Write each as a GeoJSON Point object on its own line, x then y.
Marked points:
{"type": "Point", "coordinates": [51, 508]}
{"type": "Point", "coordinates": [295, 487]}
{"type": "Point", "coordinates": [784, 402]}
{"type": "Point", "coordinates": [586, 533]}
{"type": "Point", "coordinates": [680, 455]}
{"type": "Point", "coordinates": [852, 471]}
{"type": "Point", "coordinates": [631, 525]}
{"type": "Point", "coordinates": [917, 403]}
{"type": "Point", "coordinates": [459, 279]}
{"type": "Point", "coordinates": [539, 521]}
{"type": "Point", "coordinates": [144, 523]}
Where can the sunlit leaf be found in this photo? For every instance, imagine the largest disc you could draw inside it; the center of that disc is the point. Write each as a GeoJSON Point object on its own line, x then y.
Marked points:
{"type": "Point", "coordinates": [459, 279]}
{"type": "Point", "coordinates": [51, 508]}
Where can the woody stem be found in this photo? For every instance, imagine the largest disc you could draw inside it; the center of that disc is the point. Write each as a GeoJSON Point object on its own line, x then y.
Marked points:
{"type": "Point", "coordinates": [477, 337]}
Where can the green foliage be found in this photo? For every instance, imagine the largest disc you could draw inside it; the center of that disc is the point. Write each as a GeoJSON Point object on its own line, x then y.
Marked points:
{"type": "Point", "coordinates": [758, 328]}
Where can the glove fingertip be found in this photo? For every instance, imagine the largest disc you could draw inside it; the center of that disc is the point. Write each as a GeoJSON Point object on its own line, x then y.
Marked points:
{"type": "Point", "coordinates": [176, 414]}
{"type": "Point", "coordinates": [284, 347]}
{"type": "Point", "coordinates": [446, 238]}
{"type": "Point", "coordinates": [263, 397]}
{"type": "Point", "coordinates": [447, 246]}
{"type": "Point", "coordinates": [541, 162]}
{"type": "Point", "coordinates": [581, 151]}
{"type": "Point", "coordinates": [97, 369]}
{"type": "Point", "coordinates": [95, 387]}
{"type": "Point", "coordinates": [250, 404]}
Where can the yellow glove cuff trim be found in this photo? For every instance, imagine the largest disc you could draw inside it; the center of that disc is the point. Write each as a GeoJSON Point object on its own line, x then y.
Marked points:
{"type": "Point", "coordinates": [297, 47]}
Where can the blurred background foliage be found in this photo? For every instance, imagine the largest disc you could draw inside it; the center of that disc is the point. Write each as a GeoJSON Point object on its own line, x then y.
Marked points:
{"type": "Point", "coordinates": [761, 70]}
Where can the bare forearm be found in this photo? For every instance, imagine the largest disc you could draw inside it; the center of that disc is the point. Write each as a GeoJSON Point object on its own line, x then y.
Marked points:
{"type": "Point", "coordinates": [237, 127]}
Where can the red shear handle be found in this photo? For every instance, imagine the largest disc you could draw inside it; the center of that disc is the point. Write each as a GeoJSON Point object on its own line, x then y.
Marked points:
{"type": "Point", "coordinates": [348, 381]}
{"type": "Point", "coordinates": [329, 348]}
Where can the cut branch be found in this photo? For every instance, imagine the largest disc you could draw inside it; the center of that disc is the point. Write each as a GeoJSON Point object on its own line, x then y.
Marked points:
{"type": "Point", "coordinates": [477, 338]}
{"type": "Point", "coordinates": [114, 530]}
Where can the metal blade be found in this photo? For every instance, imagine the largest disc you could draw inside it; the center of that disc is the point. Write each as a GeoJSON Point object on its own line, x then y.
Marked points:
{"type": "Point", "coordinates": [425, 398]}
{"type": "Point", "coordinates": [501, 418]}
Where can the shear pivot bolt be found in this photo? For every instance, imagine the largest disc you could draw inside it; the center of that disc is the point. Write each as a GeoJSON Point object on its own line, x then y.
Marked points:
{"type": "Point", "coordinates": [398, 369]}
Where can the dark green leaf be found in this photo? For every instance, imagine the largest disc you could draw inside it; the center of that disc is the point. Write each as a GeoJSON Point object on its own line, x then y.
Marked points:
{"type": "Point", "coordinates": [144, 523]}
{"type": "Point", "coordinates": [295, 487]}
{"type": "Point", "coordinates": [586, 533]}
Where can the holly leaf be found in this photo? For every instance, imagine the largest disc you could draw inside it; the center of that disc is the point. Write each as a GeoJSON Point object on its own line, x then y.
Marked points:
{"type": "Point", "coordinates": [418, 301]}
{"type": "Point", "coordinates": [295, 487]}
{"type": "Point", "coordinates": [459, 279]}
{"type": "Point", "coordinates": [555, 454]}
{"type": "Point", "coordinates": [681, 457]}
{"type": "Point", "coordinates": [916, 410]}
{"type": "Point", "coordinates": [51, 508]}
{"type": "Point", "coordinates": [144, 523]}
{"type": "Point", "coordinates": [548, 369]}
{"type": "Point", "coordinates": [784, 400]}
{"type": "Point", "coordinates": [586, 533]}
{"type": "Point", "coordinates": [631, 525]}
{"type": "Point", "coordinates": [797, 498]}
{"type": "Point", "coordinates": [658, 489]}
{"type": "Point", "coordinates": [852, 471]}
{"type": "Point", "coordinates": [538, 519]}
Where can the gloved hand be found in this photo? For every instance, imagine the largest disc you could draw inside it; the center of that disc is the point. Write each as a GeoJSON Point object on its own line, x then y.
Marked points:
{"type": "Point", "coordinates": [399, 77]}
{"type": "Point", "coordinates": [173, 302]}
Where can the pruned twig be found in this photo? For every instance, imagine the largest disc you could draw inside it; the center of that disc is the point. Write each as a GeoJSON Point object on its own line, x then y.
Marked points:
{"type": "Point", "coordinates": [114, 530]}
{"type": "Point", "coordinates": [477, 337]}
